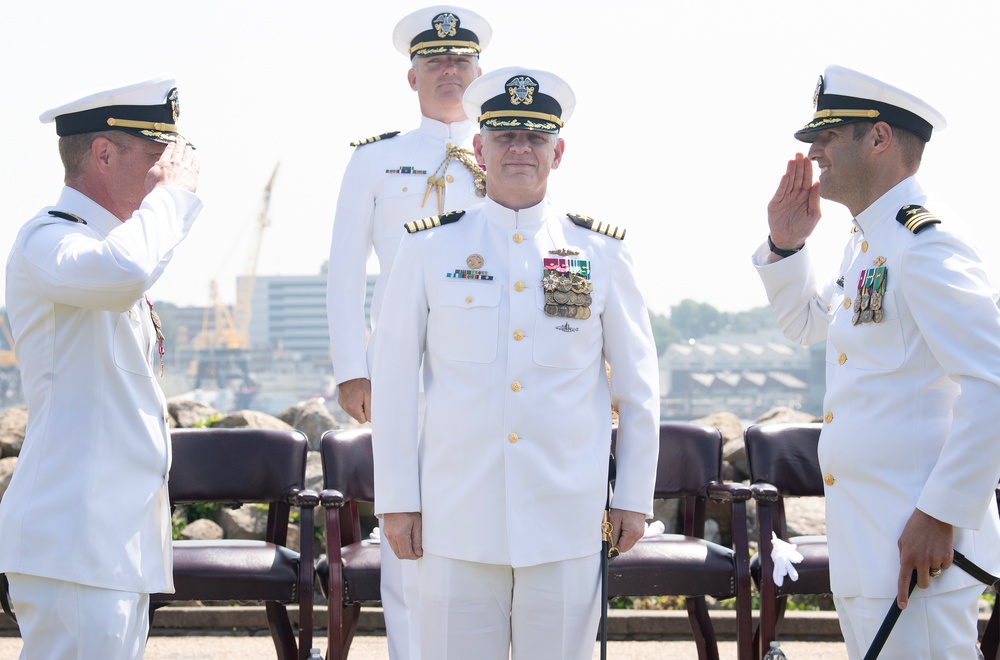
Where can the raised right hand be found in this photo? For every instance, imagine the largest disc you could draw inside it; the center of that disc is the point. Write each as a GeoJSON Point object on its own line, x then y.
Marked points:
{"type": "Point", "coordinates": [793, 212]}
{"type": "Point", "coordinates": [178, 166]}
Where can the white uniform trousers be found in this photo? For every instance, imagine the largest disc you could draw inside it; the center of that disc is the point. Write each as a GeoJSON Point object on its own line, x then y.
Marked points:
{"type": "Point", "coordinates": [494, 612]}
{"type": "Point", "coordinates": [400, 604]}
{"type": "Point", "coordinates": [941, 627]}
{"type": "Point", "coordinates": [68, 621]}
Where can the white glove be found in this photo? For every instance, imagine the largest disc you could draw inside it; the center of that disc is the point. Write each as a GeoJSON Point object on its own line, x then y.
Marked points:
{"type": "Point", "coordinates": [784, 555]}
{"type": "Point", "coordinates": [375, 536]}
{"type": "Point", "coordinates": [654, 529]}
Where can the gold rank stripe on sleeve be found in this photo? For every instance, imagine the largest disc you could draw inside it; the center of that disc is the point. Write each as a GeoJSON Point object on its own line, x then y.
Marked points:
{"type": "Point", "coordinates": [600, 227]}
{"type": "Point", "coordinates": [916, 218]}
{"type": "Point", "coordinates": [433, 221]}
{"type": "Point", "coordinates": [377, 138]}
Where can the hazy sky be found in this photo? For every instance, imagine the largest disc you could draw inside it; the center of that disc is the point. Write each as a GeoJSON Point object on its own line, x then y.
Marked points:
{"type": "Point", "coordinates": [683, 125]}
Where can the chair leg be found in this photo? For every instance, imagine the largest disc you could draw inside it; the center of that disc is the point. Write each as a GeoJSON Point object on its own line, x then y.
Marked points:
{"type": "Point", "coordinates": [281, 631]}
{"type": "Point", "coordinates": [349, 626]}
{"type": "Point", "coordinates": [990, 646]}
{"type": "Point", "coordinates": [701, 627]}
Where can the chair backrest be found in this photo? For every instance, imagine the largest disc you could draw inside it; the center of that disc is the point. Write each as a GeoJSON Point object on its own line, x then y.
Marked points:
{"type": "Point", "coordinates": [690, 457]}
{"type": "Point", "coordinates": [785, 455]}
{"type": "Point", "coordinates": [236, 465]}
{"type": "Point", "coordinates": [348, 465]}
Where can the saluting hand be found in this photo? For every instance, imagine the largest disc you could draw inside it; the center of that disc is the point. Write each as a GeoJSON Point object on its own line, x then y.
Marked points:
{"type": "Point", "coordinates": [178, 166]}
{"type": "Point", "coordinates": [793, 212]}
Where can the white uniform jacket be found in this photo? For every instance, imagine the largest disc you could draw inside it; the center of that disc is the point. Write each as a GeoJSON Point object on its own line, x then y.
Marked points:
{"type": "Point", "coordinates": [88, 500]}
{"type": "Point", "coordinates": [909, 400]}
{"type": "Point", "coordinates": [511, 465]}
{"type": "Point", "coordinates": [383, 188]}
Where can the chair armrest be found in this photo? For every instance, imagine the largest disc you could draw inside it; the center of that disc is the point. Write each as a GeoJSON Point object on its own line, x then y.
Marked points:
{"type": "Point", "coordinates": [331, 499]}
{"type": "Point", "coordinates": [728, 491]}
{"type": "Point", "coordinates": [764, 492]}
{"type": "Point", "coordinates": [304, 499]}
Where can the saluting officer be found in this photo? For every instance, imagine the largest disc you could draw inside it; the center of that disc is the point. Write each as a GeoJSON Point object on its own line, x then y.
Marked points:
{"type": "Point", "coordinates": [85, 523]}
{"type": "Point", "coordinates": [913, 363]}
{"type": "Point", "coordinates": [392, 179]}
{"type": "Point", "coordinates": [512, 307]}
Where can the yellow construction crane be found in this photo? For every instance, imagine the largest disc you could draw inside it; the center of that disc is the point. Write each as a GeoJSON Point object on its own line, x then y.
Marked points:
{"type": "Point", "coordinates": [222, 328]}
{"type": "Point", "coordinates": [7, 358]}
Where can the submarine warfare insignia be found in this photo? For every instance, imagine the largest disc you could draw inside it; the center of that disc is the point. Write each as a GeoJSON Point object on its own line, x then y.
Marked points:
{"type": "Point", "coordinates": [566, 327]}
{"type": "Point", "coordinates": [871, 291]}
{"type": "Point", "coordinates": [564, 252]}
{"type": "Point", "coordinates": [916, 218]}
{"type": "Point", "coordinates": [567, 288]}
{"type": "Point", "coordinates": [369, 140]}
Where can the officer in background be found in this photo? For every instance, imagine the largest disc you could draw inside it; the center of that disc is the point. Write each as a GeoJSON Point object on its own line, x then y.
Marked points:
{"type": "Point", "coordinates": [390, 180]}
{"type": "Point", "coordinates": [912, 327]}
{"type": "Point", "coordinates": [512, 307]}
{"type": "Point", "coordinates": [85, 524]}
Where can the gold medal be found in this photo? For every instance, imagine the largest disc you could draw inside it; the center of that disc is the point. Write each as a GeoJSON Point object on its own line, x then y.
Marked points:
{"type": "Point", "coordinates": [877, 315]}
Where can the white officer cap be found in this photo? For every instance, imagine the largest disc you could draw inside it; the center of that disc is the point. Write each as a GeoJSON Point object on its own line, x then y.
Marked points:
{"type": "Point", "coordinates": [844, 96]}
{"type": "Point", "coordinates": [147, 109]}
{"type": "Point", "coordinates": [441, 30]}
{"type": "Point", "coordinates": [519, 98]}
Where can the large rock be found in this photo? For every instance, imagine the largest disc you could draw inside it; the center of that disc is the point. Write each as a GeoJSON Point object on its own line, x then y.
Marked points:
{"type": "Point", "coordinates": [188, 414]}
{"type": "Point", "coordinates": [734, 456]}
{"type": "Point", "coordinates": [781, 414]}
{"type": "Point", "coordinates": [728, 423]}
{"type": "Point", "coordinates": [312, 418]}
{"type": "Point", "coordinates": [202, 529]}
{"type": "Point", "coordinates": [7, 466]}
{"type": "Point", "coordinates": [12, 424]}
{"type": "Point", "coordinates": [250, 419]}
{"type": "Point", "coordinates": [247, 522]}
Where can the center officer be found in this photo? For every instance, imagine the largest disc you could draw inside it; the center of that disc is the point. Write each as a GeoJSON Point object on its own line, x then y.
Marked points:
{"type": "Point", "coordinates": [512, 308]}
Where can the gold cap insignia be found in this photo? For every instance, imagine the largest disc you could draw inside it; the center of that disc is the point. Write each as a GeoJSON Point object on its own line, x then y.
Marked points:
{"type": "Point", "coordinates": [446, 25]}
{"type": "Point", "coordinates": [522, 90]}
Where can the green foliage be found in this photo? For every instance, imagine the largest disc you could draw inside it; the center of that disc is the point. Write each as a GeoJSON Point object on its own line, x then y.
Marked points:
{"type": "Point", "coordinates": [208, 422]}
{"type": "Point", "coordinates": [693, 320]}
{"type": "Point", "coordinates": [188, 513]}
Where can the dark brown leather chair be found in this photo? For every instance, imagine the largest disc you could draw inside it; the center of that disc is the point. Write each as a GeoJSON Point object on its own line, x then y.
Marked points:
{"type": "Point", "coordinates": [784, 463]}
{"type": "Point", "coordinates": [348, 478]}
{"type": "Point", "coordinates": [690, 467]}
{"type": "Point", "coordinates": [244, 466]}
{"type": "Point", "coordinates": [990, 645]}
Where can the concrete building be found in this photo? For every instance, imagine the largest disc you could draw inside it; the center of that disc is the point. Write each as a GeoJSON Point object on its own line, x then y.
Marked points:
{"type": "Point", "coordinates": [743, 374]}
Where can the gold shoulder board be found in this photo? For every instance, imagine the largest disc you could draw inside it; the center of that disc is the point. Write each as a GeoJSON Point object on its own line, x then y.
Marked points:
{"type": "Point", "coordinates": [916, 218]}
{"type": "Point", "coordinates": [434, 221]}
{"type": "Point", "coordinates": [369, 140]}
{"type": "Point", "coordinates": [68, 216]}
{"type": "Point", "coordinates": [600, 227]}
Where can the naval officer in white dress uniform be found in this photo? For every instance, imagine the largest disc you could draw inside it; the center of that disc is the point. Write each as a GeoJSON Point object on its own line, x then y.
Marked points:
{"type": "Point", "coordinates": [909, 453]}
{"type": "Point", "coordinates": [85, 524]}
{"type": "Point", "coordinates": [512, 306]}
{"type": "Point", "coordinates": [392, 179]}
